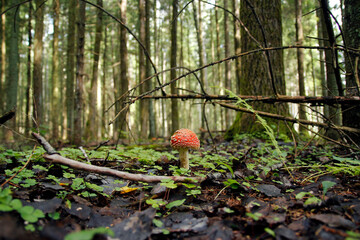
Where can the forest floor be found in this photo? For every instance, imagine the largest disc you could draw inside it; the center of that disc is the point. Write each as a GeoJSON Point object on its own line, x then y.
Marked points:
{"type": "Point", "coordinates": [252, 190]}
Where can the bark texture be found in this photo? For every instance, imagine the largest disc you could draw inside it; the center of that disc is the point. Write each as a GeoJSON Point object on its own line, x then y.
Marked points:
{"type": "Point", "coordinates": [174, 102]}
{"type": "Point", "coordinates": [300, 58]}
{"type": "Point", "coordinates": [37, 67]}
{"type": "Point", "coordinates": [351, 114]}
{"type": "Point", "coordinates": [255, 75]}
{"type": "Point", "coordinates": [55, 96]}
{"type": "Point", "coordinates": [144, 105]}
{"type": "Point", "coordinates": [92, 124]}
{"type": "Point", "coordinates": [70, 69]}
{"type": "Point", "coordinates": [79, 91]}
{"type": "Point", "coordinates": [123, 66]}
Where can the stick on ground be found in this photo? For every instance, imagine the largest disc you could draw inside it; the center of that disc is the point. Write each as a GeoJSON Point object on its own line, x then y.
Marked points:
{"type": "Point", "coordinates": [55, 157]}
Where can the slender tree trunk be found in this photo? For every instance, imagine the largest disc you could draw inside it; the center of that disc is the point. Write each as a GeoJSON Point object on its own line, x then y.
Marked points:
{"type": "Point", "coordinates": [92, 130]}
{"type": "Point", "coordinates": [332, 42]}
{"type": "Point", "coordinates": [322, 61]}
{"type": "Point", "coordinates": [2, 55]}
{"type": "Point", "coordinates": [70, 69]}
{"type": "Point", "coordinates": [103, 87]}
{"type": "Point", "coordinates": [12, 78]}
{"type": "Point", "coordinates": [351, 29]}
{"type": "Point", "coordinates": [37, 67]}
{"type": "Point", "coordinates": [55, 106]}
{"type": "Point", "coordinates": [218, 55]}
{"type": "Point", "coordinates": [214, 70]}
{"type": "Point", "coordinates": [237, 43]}
{"type": "Point", "coordinates": [79, 102]}
{"type": "Point", "coordinates": [227, 63]}
{"type": "Point", "coordinates": [334, 113]}
{"type": "Point", "coordinates": [173, 61]}
{"type": "Point", "coordinates": [300, 59]}
{"type": "Point", "coordinates": [198, 27]}
{"type": "Point", "coordinates": [149, 85]}
{"type": "Point", "coordinates": [28, 76]}
{"type": "Point", "coordinates": [123, 65]}
{"type": "Point", "coordinates": [144, 105]}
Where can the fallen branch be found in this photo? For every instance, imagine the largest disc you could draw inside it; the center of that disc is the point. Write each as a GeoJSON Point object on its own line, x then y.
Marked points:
{"type": "Point", "coordinates": [280, 98]}
{"type": "Point", "coordinates": [7, 116]}
{"type": "Point", "coordinates": [57, 158]}
{"type": "Point", "coordinates": [289, 119]}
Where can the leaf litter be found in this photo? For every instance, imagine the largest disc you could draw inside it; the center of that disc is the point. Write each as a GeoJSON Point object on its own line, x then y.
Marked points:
{"type": "Point", "coordinates": [248, 194]}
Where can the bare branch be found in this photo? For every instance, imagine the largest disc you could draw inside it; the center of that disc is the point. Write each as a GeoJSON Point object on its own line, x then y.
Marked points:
{"type": "Point", "coordinates": [55, 157]}
{"type": "Point", "coordinates": [139, 97]}
{"type": "Point", "coordinates": [7, 116]}
{"type": "Point", "coordinates": [280, 98]}
{"type": "Point", "coordinates": [289, 119]}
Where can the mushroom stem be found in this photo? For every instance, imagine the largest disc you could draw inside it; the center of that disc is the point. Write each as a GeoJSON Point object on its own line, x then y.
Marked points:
{"type": "Point", "coordinates": [184, 158]}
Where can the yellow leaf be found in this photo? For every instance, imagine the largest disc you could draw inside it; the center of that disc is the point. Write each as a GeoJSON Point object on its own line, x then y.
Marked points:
{"type": "Point", "coordinates": [127, 189]}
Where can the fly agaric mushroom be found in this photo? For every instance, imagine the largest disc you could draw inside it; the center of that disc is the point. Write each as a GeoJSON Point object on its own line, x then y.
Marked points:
{"type": "Point", "coordinates": [183, 140]}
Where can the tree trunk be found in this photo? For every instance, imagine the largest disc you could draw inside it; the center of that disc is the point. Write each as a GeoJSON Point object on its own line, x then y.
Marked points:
{"type": "Point", "coordinates": [79, 104]}
{"type": "Point", "coordinates": [92, 124]}
{"type": "Point", "coordinates": [144, 105]}
{"type": "Point", "coordinates": [255, 77]}
{"type": "Point", "coordinates": [149, 85]}
{"type": "Point", "coordinates": [322, 60]}
{"type": "Point", "coordinates": [103, 87]}
{"type": "Point", "coordinates": [37, 66]}
{"type": "Point", "coordinates": [28, 76]}
{"type": "Point", "coordinates": [123, 66]}
{"type": "Point", "coordinates": [12, 52]}
{"type": "Point", "coordinates": [300, 59]}
{"type": "Point", "coordinates": [218, 55]}
{"type": "Point", "coordinates": [2, 55]}
{"type": "Point", "coordinates": [55, 106]}
{"type": "Point", "coordinates": [227, 63]}
{"type": "Point", "coordinates": [174, 102]}
{"type": "Point", "coordinates": [198, 27]}
{"type": "Point", "coordinates": [70, 70]}
{"type": "Point", "coordinates": [351, 29]}
{"type": "Point", "coordinates": [334, 112]}
{"type": "Point", "coordinates": [237, 43]}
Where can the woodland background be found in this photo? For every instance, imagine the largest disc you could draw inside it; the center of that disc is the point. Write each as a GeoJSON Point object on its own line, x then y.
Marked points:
{"type": "Point", "coordinates": [68, 66]}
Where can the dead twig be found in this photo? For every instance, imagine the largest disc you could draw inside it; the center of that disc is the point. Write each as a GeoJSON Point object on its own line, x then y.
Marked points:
{"type": "Point", "coordinates": [84, 153]}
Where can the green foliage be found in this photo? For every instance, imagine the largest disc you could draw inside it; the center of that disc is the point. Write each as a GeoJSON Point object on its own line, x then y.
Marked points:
{"type": "Point", "coordinates": [327, 185]}
{"type": "Point", "coordinates": [232, 183]}
{"type": "Point", "coordinates": [155, 203]}
{"type": "Point", "coordinates": [28, 213]}
{"type": "Point", "coordinates": [311, 200]}
{"type": "Point", "coordinates": [88, 234]}
{"type": "Point", "coordinates": [277, 153]}
{"type": "Point", "coordinates": [25, 178]}
{"type": "Point", "coordinates": [352, 235]}
{"type": "Point", "coordinates": [175, 203]}
{"type": "Point", "coordinates": [255, 216]}
{"type": "Point", "coordinates": [270, 232]}
{"type": "Point", "coordinates": [168, 183]}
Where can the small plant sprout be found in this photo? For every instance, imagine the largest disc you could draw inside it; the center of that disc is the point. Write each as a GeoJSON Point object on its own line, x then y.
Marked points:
{"type": "Point", "coordinates": [183, 140]}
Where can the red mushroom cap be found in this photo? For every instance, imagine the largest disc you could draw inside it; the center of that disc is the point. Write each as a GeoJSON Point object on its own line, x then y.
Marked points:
{"type": "Point", "coordinates": [184, 138]}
